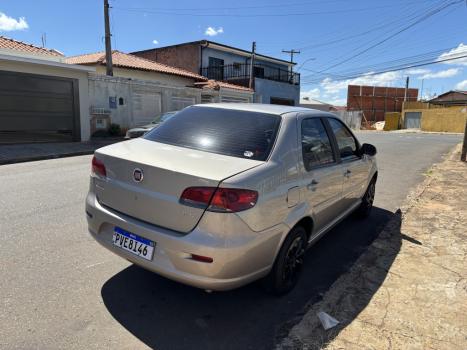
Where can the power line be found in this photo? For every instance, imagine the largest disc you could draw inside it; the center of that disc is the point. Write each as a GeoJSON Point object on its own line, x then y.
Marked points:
{"type": "Point", "coordinates": [169, 13]}
{"type": "Point", "coordinates": [423, 18]}
{"type": "Point", "coordinates": [391, 70]}
{"type": "Point", "coordinates": [427, 56]}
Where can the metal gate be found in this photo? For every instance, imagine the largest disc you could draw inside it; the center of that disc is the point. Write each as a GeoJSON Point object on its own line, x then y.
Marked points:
{"type": "Point", "coordinates": [412, 120]}
{"type": "Point", "coordinates": [38, 108]}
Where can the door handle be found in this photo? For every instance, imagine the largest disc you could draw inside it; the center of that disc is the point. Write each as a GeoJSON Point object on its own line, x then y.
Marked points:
{"type": "Point", "coordinates": [312, 185]}
{"type": "Point", "coordinates": [347, 173]}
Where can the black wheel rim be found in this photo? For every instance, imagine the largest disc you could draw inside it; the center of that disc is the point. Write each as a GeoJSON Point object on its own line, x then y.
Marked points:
{"type": "Point", "coordinates": [293, 262]}
{"type": "Point", "coordinates": [370, 195]}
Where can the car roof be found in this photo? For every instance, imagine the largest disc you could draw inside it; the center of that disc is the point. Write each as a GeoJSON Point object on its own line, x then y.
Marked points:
{"type": "Point", "coordinates": [265, 108]}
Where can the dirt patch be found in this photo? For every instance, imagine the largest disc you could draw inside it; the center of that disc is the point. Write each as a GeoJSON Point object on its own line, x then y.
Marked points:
{"type": "Point", "coordinates": [409, 289]}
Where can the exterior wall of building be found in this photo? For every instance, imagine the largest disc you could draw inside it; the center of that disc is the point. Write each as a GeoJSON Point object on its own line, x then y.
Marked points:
{"type": "Point", "coordinates": [45, 69]}
{"type": "Point", "coordinates": [267, 89]}
{"type": "Point", "coordinates": [450, 119]}
{"type": "Point", "coordinates": [375, 101]}
{"type": "Point", "coordinates": [183, 56]}
{"type": "Point", "coordinates": [231, 58]}
{"type": "Point", "coordinates": [392, 121]}
{"type": "Point", "coordinates": [142, 100]}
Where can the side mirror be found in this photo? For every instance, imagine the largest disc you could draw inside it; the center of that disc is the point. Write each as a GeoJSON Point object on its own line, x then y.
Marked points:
{"type": "Point", "coordinates": [368, 149]}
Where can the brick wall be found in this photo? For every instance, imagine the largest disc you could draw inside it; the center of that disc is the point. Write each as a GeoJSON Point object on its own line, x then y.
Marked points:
{"type": "Point", "coordinates": [376, 101]}
{"type": "Point", "coordinates": [182, 56]}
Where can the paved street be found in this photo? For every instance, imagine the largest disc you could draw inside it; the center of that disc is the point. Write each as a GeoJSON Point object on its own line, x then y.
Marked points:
{"type": "Point", "coordinates": [60, 289]}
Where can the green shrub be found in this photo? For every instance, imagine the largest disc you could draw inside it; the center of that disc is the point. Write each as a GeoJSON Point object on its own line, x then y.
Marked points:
{"type": "Point", "coordinates": [115, 130]}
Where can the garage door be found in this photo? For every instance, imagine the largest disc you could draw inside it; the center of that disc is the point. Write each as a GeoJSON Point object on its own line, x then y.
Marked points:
{"type": "Point", "coordinates": [412, 120]}
{"type": "Point", "coordinates": [38, 108]}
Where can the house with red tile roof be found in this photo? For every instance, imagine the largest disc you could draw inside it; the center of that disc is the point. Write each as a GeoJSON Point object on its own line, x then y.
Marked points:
{"type": "Point", "coordinates": [140, 89]}
{"type": "Point", "coordinates": [22, 48]}
{"type": "Point", "coordinates": [45, 96]}
{"type": "Point", "coordinates": [42, 98]}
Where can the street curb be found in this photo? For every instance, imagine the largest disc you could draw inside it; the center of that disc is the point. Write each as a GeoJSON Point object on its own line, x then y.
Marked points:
{"type": "Point", "coordinates": [45, 157]}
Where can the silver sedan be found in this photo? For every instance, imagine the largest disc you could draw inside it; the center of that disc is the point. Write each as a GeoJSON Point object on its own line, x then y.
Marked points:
{"type": "Point", "coordinates": [221, 195]}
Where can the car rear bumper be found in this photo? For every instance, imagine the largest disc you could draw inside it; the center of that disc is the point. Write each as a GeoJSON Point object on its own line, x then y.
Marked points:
{"type": "Point", "coordinates": [239, 254]}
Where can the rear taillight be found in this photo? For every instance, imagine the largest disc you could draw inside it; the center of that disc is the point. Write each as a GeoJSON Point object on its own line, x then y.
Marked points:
{"type": "Point", "coordinates": [219, 200]}
{"type": "Point", "coordinates": [197, 196]}
{"type": "Point", "coordinates": [98, 167]}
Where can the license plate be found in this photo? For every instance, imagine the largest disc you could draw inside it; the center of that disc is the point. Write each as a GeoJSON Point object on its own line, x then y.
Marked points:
{"type": "Point", "coordinates": [134, 244]}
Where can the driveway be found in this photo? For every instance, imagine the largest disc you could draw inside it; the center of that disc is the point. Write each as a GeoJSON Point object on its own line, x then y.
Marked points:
{"type": "Point", "coordinates": [60, 289]}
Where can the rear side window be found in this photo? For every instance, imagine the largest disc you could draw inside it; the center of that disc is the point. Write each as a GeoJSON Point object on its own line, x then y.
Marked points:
{"type": "Point", "coordinates": [345, 141]}
{"type": "Point", "coordinates": [316, 147]}
{"type": "Point", "coordinates": [242, 134]}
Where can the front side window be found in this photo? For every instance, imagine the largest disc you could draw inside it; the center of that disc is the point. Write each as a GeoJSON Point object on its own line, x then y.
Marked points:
{"type": "Point", "coordinates": [236, 133]}
{"type": "Point", "coordinates": [316, 147]}
{"type": "Point", "coordinates": [345, 140]}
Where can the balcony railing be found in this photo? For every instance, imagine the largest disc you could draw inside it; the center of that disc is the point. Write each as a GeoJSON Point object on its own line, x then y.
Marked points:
{"type": "Point", "coordinates": [240, 73]}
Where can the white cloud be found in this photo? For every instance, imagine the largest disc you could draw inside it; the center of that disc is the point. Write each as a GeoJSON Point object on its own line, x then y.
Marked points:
{"type": "Point", "coordinates": [451, 72]}
{"type": "Point", "coordinates": [462, 85]}
{"type": "Point", "coordinates": [9, 23]}
{"type": "Point", "coordinates": [459, 51]}
{"type": "Point", "coordinates": [417, 71]}
{"type": "Point", "coordinates": [212, 31]}
{"type": "Point", "coordinates": [312, 94]}
{"type": "Point", "coordinates": [155, 42]}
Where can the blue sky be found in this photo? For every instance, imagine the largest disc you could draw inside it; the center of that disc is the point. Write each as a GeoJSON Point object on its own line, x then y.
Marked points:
{"type": "Point", "coordinates": [342, 39]}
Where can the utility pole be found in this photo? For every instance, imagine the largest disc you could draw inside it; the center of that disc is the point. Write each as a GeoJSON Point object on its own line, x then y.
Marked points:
{"type": "Point", "coordinates": [406, 89]}
{"type": "Point", "coordinates": [291, 52]}
{"type": "Point", "coordinates": [464, 145]}
{"type": "Point", "coordinates": [108, 48]}
{"type": "Point", "coordinates": [421, 92]}
{"type": "Point", "coordinates": [252, 63]}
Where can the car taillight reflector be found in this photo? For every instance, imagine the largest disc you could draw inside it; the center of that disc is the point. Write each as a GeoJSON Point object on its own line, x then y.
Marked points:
{"type": "Point", "coordinates": [98, 167]}
{"type": "Point", "coordinates": [202, 258]}
{"type": "Point", "coordinates": [220, 199]}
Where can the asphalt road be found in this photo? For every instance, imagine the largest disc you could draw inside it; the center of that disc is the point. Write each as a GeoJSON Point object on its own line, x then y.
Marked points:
{"type": "Point", "coordinates": [60, 289]}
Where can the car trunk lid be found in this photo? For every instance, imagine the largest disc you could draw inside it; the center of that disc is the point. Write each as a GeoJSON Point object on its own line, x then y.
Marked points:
{"type": "Point", "coordinates": [167, 170]}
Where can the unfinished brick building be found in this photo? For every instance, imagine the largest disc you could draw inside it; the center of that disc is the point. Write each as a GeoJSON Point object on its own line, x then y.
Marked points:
{"type": "Point", "coordinates": [375, 101]}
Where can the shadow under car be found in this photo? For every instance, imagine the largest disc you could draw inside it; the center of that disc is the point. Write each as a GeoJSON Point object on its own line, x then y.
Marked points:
{"type": "Point", "coordinates": [168, 315]}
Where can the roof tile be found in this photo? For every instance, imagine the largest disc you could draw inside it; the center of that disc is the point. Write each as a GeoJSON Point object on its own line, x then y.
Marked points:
{"type": "Point", "coordinates": [11, 44]}
{"type": "Point", "coordinates": [124, 60]}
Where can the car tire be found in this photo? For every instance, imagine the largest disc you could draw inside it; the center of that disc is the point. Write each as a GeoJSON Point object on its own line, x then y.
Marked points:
{"type": "Point", "coordinates": [364, 210]}
{"type": "Point", "coordinates": [288, 265]}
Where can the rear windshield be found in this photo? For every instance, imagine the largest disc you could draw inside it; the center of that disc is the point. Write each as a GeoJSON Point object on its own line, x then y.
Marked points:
{"type": "Point", "coordinates": [234, 133]}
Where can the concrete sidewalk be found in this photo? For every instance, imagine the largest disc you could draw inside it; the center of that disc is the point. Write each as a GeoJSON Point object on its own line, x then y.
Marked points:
{"type": "Point", "coordinates": [37, 151]}
{"type": "Point", "coordinates": [409, 289]}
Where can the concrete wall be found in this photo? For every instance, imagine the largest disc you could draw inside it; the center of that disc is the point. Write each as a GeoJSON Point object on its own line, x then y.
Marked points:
{"type": "Point", "coordinates": [392, 121]}
{"type": "Point", "coordinates": [137, 96]}
{"type": "Point", "coordinates": [265, 89]}
{"type": "Point", "coordinates": [450, 119]}
{"type": "Point", "coordinates": [58, 71]}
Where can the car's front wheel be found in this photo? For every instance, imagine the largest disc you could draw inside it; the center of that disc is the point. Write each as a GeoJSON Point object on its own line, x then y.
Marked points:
{"type": "Point", "coordinates": [288, 266]}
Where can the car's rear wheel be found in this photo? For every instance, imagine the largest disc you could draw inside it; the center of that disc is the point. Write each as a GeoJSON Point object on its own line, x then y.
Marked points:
{"type": "Point", "coordinates": [288, 265]}
{"type": "Point", "coordinates": [365, 207]}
